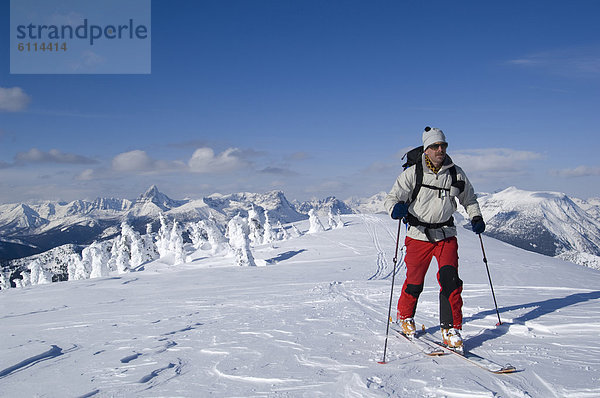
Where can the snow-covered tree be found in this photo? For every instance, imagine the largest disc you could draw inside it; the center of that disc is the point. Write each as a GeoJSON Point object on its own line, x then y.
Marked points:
{"type": "Point", "coordinates": [163, 238]}
{"type": "Point", "coordinates": [4, 279]}
{"type": "Point", "coordinates": [334, 220]}
{"type": "Point", "coordinates": [238, 231]}
{"type": "Point", "coordinates": [283, 233]}
{"type": "Point", "coordinates": [198, 235]}
{"type": "Point", "coordinates": [98, 258]}
{"type": "Point", "coordinates": [149, 249]}
{"type": "Point", "coordinates": [142, 248]}
{"type": "Point", "coordinates": [25, 279]}
{"type": "Point", "coordinates": [216, 239]}
{"type": "Point", "coordinates": [255, 226]}
{"type": "Point", "coordinates": [330, 220]}
{"type": "Point", "coordinates": [123, 256]}
{"type": "Point", "coordinates": [269, 234]}
{"type": "Point", "coordinates": [39, 275]}
{"type": "Point", "coordinates": [72, 262]}
{"type": "Point", "coordinates": [315, 223]}
{"type": "Point", "coordinates": [114, 253]}
{"type": "Point", "coordinates": [176, 244]}
{"type": "Point", "coordinates": [83, 267]}
{"type": "Point", "coordinates": [338, 219]}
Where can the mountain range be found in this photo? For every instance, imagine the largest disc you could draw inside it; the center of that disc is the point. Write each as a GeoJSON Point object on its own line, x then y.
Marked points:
{"type": "Point", "coordinates": [27, 229]}
{"type": "Point", "coordinates": [549, 223]}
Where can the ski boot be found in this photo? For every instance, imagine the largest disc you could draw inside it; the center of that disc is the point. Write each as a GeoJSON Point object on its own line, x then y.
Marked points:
{"type": "Point", "coordinates": [452, 339]}
{"type": "Point", "coordinates": [407, 326]}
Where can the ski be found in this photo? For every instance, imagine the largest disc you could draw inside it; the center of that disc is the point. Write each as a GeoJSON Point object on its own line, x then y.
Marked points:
{"type": "Point", "coordinates": [427, 348]}
{"type": "Point", "coordinates": [473, 358]}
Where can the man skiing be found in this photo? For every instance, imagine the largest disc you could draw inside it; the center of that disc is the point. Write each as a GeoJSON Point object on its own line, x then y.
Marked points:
{"type": "Point", "coordinates": [424, 195]}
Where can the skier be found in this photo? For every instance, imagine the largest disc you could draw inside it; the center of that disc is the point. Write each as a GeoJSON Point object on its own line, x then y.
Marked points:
{"type": "Point", "coordinates": [424, 195]}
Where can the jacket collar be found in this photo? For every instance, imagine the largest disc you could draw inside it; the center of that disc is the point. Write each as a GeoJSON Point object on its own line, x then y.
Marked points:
{"type": "Point", "coordinates": [445, 166]}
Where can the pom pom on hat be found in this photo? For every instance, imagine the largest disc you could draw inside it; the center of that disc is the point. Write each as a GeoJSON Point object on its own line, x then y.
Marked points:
{"type": "Point", "coordinates": [432, 135]}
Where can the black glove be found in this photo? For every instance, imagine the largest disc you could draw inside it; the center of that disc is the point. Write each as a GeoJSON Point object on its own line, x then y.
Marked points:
{"type": "Point", "coordinates": [478, 225]}
{"type": "Point", "coordinates": [400, 210]}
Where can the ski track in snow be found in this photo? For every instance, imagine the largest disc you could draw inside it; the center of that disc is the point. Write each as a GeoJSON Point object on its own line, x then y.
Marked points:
{"type": "Point", "coordinates": [312, 324]}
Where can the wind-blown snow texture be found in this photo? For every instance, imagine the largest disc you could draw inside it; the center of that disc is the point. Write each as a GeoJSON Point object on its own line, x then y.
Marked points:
{"type": "Point", "coordinates": [309, 324]}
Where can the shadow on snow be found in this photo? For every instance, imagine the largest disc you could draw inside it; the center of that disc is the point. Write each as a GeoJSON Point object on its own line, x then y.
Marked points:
{"type": "Point", "coordinates": [538, 309]}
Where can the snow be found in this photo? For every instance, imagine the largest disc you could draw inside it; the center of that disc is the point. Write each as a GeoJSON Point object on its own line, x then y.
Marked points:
{"type": "Point", "coordinates": [309, 324]}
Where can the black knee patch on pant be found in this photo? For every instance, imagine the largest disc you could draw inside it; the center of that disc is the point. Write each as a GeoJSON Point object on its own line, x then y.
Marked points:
{"type": "Point", "coordinates": [449, 280]}
{"type": "Point", "coordinates": [414, 290]}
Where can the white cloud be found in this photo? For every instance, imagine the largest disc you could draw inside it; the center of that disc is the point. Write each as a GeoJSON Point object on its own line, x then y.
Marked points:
{"type": "Point", "coordinates": [581, 62]}
{"type": "Point", "coordinates": [494, 159]}
{"type": "Point", "coordinates": [34, 155]}
{"type": "Point", "coordinates": [204, 160]}
{"type": "Point", "coordinates": [135, 160]}
{"type": "Point", "coordinates": [580, 171]}
{"type": "Point", "coordinates": [86, 175]}
{"type": "Point", "coordinates": [139, 161]}
{"type": "Point", "coordinates": [13, 99]}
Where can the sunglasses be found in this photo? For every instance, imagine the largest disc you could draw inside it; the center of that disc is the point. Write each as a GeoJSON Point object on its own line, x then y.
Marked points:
{"type": "Point", "coordinates": [436, 146]}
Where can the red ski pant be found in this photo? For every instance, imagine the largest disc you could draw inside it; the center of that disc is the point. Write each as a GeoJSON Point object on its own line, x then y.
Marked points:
{"type": "Point", "coordinates": [418, 257]}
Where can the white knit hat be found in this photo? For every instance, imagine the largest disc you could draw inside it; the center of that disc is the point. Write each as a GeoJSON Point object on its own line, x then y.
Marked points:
{"type": "Point", "coordinates": [432, 135]}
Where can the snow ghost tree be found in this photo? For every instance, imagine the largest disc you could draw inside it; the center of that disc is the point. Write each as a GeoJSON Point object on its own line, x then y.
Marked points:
{"type": "Point", "coordinates": [256, 229]}
{"type": "Point", "coordinates": [338, 219]}
{"type": "Point", "coordinates": [315, 223]}
{"type": "Point", "coordinates": [284, 235]}
{"type": "Point", "coordinates": [4, 280]}
{"type": "Point", "coordinates": [334, 220]}
{"type": "Point", "coordinates": [39, 275]}
{"type": "Point", "coordinates": [176, 244]}
{"type": "Point", "coordinates": [72, 262]}
{"type": "Point", "coordinates": [114, 253]}
{"type": "Point", "coordinates": [25, 279]}
{"type": "Point", "coordinates": [198, 235]}
{"type": "Point", "coordinates": [330, 220]}
{"type": "Point", "coordinates": [134, 241]}
{"type": "Point", "coordinates": [164, 237]}
{"type": "Point", "coordinates": [123, 260]}
{"type": "Point", "coordinates": [83, 267]}
{"type": "Point", "coordinates": [217, 241]}
{"type": "Point", "coordinates": [98, 258]}
{"type": "Point", "coordinates": [269, 233]}
{"type": "Point", "coordinates": [142, 248]}
{"type": "Point", "coordinates": [149, 250]}
{"type": "Point", "coordinates": [238, 230]}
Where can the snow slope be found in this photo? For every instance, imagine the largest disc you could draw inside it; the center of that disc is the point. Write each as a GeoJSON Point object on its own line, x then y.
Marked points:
{"type": "Point", "coordinates": [309, 324]}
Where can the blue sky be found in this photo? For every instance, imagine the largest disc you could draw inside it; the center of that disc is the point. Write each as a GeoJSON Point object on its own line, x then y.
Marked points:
{"type": "Point", "coordinates": [315, 98]}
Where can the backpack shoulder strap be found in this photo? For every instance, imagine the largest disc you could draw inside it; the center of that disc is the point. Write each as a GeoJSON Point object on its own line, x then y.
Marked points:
{"type": "Point", "coordinates": [418, 179]}
{"type": "Point", "coordinates": [455, 183]}
{"type": "Point", "coordinates": [452, 171]}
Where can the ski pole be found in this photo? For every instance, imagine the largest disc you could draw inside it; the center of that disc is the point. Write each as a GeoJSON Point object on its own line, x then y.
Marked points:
{"type": "Point", "coordinates": [490, 279]}
{"type": "Point", "coordinates": [387, 330]}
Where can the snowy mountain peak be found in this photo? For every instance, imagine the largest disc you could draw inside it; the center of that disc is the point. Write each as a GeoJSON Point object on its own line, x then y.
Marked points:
{"type": "Point", "coordinates": [153, 195]}
{"type": "Point", "coordinates": [21, 217]}
{"type": "Point", "coordinates": [325, 205]}
{"type": "Point", "coordinates": [373, 204]}
{"type": "Point", "coordinates": [545, 222]}
{"type": "Point", "coordinates": [273, 202]}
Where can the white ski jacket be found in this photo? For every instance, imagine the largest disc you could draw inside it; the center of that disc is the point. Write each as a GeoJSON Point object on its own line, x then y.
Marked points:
{"type": "Point", "coordinates": [433, 206]}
